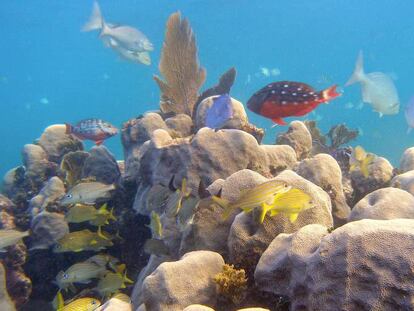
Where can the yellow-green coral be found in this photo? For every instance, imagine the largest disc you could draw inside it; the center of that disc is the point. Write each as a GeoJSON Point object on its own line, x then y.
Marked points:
{"type": "Point", "coordinates": [232, 283]}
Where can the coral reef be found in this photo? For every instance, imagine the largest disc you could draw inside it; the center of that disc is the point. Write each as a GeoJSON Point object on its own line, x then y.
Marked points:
{"type": "Point", "coordinates": [180, 68]}
{"type": "Point", "coordinates": [315, 268]}
{"type": "Point", "coordinates": [298, 137]}
{"type": "Point", "coordinates": [6, 303]}
{"type": "Point", "coordinates": [172, 284]}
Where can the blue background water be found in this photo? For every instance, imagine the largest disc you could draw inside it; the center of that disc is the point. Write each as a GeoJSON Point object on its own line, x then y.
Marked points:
{"type": "Point", "coordinates": [43, 54]}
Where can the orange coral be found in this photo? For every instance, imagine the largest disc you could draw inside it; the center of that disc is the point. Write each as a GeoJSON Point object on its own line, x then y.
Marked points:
{"type": "Point", "coordinates": [180, 68]}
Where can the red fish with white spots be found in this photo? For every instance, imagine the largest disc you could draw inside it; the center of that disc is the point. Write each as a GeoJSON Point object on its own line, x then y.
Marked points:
{"type": "Point", "coordinates": [92, 129]}
{"type": "Point", "coordinates": [287, 99]}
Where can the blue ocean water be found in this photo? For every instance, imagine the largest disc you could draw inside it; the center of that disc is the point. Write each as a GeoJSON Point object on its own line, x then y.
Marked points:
{"type": "Point", "coordinates": [50, 72]}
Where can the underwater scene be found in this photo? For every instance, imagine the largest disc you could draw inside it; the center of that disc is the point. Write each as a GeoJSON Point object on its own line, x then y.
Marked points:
{"type": "Point", "coordinates": [206, 155]}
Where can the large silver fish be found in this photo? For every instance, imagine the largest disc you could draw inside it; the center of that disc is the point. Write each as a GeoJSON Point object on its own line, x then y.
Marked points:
{"type": "Point", "coordinates": [87, 192]}
{"type": "Point", "coordinates": [377, 88]}
{"type": "Point", "coordinates": [127, 37]}
{"type": "Point", "coordinates": [81, 272]}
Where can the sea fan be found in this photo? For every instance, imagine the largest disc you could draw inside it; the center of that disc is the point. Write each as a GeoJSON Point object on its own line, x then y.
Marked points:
{"type": "Point", "coordinates": [179, 67]}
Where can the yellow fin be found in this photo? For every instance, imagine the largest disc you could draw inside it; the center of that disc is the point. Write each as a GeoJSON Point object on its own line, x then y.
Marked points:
{"type": "Point", "coordinates": [365, 164]}
{"type": "Point", "coordinates": [103, 209]}
{"type": "Point", "coordinates": [59, 302]}
{"type": "Point", "coordinates": [93, 242]}
{"type": "Point", "coordinates": [293, 217]}
{"type": "Point", "coordinates": [274, 212]}
{"type": "Point", "coordinates": [224, 204]}
{"type": "Point", "coordinates": [111, 215]}
{"type": "Point", "coordinates": [263, 211]}
{"type": "Point", "coordinates": [100, 234]}
{"type": "Point", "coordinates": [120, 268]}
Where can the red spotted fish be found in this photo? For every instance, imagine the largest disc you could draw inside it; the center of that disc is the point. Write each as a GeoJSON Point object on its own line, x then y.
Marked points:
{"type": "Point", "coordinates": [92, 129]}
{"type": "Point", "coordinates": [282, 99]}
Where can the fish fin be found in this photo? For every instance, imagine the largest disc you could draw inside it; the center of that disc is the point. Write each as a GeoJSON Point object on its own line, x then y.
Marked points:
{"type": "Point", "coordinates": [171, 184]}
{"type": "Point", "coordinates": [293, 217]}
{"type": "Point", "coordinates": [279, 121]}
{"type": "Point", "coordinates": [103, 209]}
{"type": "Point", "coordinates": [409, 130]}
{"type": "Point", "coordinates": [95, 20]}
{"type": "Point", "coordinates": [202, 191]}
{"type": "Point", "coordinates": [100, 234]}
{"type": "Point", "coordinates": [127, 279]}
{"type": "Point", "coordinates": [352, 167]}
{"type": "Point", "coordinates": [264, 209]}
{"type": "Point", "coordinates": [94, 242]}
{"type": "Point", "coordinates": [120, 268]}
{"type": "Point", "coordinates": [224, 204]}
{"type": "Point", "coordinates": [59, 301]}
{"type": "Point", "coordinates": [274, 212]}
{"type": "Point", "coordinates": [111, 215]}
{"type": "Point", "coordinates": [380, 114]}
{"type": "Point", "coordinates": [330, 93]}
{"type": "Point", "coordinates": [358, 73]}
{"type": "Point", "coordinates": [78, 250]}
{"type": "Point", "coordinates": [69, 129]}
{"type": "Point", "coordinates": [98, 142]}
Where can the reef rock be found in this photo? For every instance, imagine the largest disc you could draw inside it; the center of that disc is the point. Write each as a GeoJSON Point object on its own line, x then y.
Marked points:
{"type": "Point", "coordinates": [135, 133]}
{"type": "Point", "coordinates": [102, 165]}
{"type": "Point", "coordinates": [180, 125]}
{"type": "Point", "coordinates": [115, 304]}
{"type": "Point", "coordinates": [209, 231]}
{"type": "Point", "coordinates": [57, 143]}
{"type": "Point", "coordinates": [209, 155]}
{"type": "Point", "coordinates": [363, 265]}
{"type": "Point", "coordinates": [380, 175]}
{"type": "Point", "coordinates": [153, 262]}
{"type": "Point", "coordinates": [407, 160]}
{"type": "Point", "coordinates": [404, 181]}
{"type": "Point", "coordinates": [6, 204]}
{"type": "Point", "coordinates": [279, 157]}
{"type": "Point", "coordinates": [176, 285]}
{"type": "Point", "coordinates": [298, 137]}
{"type": "Point", "coordinates": [52, 190]}
{"type": "Point", "coordinates": [248, 240]}
{"type": "Point", "coordinates": [35, 160]}
{"type": "Point", "coordinates": [47, 228]}
{"type": "Point", "coordinates": [6, 304]}
{"type": "Point", "coordinates": [324, 171]}
{"type": "Point", "coordinates": [239, 114]}
{"type": "Point", "coordinates": [385, 203]}
{"type": "Point", "coordinates": [198, 308]}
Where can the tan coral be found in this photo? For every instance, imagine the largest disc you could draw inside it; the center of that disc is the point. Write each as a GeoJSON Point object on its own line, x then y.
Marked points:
{"type": "Point", "coordinates": [180, 68]}
{"type": "Point", "coordinates": [232, 283]}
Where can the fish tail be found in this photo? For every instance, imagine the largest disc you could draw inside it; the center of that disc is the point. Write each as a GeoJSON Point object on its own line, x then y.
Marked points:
{"type": "Point", "coordinates": [103, 209]}
{"type": "Point", "coordinates": [224, 204]}
{"type": "Point", "coordinates": [126, 279]}
{"type": "Point", "coordinates": [358, 74]}
{"type": "Point", "coordinates": [95, 20]}
{"type": "Point", "coordinates": [69, 129]}
{"type": "Point", "coordinates": [330, 93]}
{"type": "Point", "coordinates": [111, 215]}
{"type": "Point", "coordinates": [101, 235]}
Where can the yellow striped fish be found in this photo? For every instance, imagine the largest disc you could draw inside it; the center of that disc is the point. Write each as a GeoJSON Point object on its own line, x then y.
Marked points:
{"type": "Point", "coordinates": [81, 272]}
{"type": "Point", "coordinates": [361, 159]}
{"type": "Point", "coordinates": [253, 197]}
{"type": "Point", "coordinates": [81, 304]}
{"type": "Point", "coordinates": [290, 203]}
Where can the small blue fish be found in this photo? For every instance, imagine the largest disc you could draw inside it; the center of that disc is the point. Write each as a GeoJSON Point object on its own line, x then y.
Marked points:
{"type": "Point", "coordinates": [220, 112]}
{"type": "Point", "coordinates": [409, 114]}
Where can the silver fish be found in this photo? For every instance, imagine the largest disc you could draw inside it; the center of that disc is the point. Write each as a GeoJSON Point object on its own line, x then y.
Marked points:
{"type": "Point", "coordinates": [11, 237]}
{"type": "Point", "coordinates": [87, 192]}
{"type": "Point", "coordinates": [81, 272]}
{"type": "Point", "coordinates": [377, 88]}
{"type": "Point", "coordinates": [128, 37]}
{"type": "Point", "coordinates": [132, 56]}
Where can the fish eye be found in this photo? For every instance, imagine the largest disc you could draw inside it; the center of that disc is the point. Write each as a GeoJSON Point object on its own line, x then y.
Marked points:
{"type": "Point", "coordinates": [65, 275]}
{"type": "Point", "coordinates": [69, 196]}
{"type": "Point", "coordinates": [285, 185]}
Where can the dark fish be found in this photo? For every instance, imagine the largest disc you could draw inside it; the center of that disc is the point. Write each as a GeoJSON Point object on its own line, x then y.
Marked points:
{"type": "Point", "coordinates": [286, 99]}
{"type": "Point", "coordinates": [220, 112]}
{"type": "Point", "coordinates": [96, 130]}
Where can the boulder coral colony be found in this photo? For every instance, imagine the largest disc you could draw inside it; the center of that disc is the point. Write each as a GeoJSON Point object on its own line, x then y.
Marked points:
{"type": "Point", "coordinates": [351, 251]}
